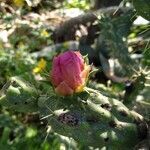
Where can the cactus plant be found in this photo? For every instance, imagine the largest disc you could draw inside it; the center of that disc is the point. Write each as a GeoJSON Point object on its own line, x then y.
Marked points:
{"type": "Point", "coordinates": [89, 117]}
{"type": "Point", "coordinates": [96, 120]}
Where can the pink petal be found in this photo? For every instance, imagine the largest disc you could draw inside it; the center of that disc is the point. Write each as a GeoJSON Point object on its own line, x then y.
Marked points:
{"type": "Point", "coordinates": [63, 89]}
{"type": "Point", "coordinates": [56, 75]}
{"type": "Point", "coordinates": [71, 69]}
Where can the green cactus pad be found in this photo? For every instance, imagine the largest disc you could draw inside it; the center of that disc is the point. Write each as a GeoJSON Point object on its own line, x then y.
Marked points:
{"type": "Point", "coordinates": [98, 121]}
{"type": "Point", "coordinates": [19, 95]}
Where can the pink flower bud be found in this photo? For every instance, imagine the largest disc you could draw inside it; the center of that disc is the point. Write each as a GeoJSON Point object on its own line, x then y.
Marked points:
{"type": "Point", "coordinates": [69, 73]}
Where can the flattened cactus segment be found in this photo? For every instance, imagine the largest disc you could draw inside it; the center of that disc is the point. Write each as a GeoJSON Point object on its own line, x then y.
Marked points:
{"type": "Point", "coordinates": [98, 121]}
{"type": "Point", "coordinates": [19, 95]}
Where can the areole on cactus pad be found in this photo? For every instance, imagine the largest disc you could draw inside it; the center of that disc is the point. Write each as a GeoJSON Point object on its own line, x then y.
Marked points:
{"type": "Point", "coordinates": [69, 73]}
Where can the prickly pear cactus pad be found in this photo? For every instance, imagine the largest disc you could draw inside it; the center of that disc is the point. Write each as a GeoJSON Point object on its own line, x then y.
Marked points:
{"type": "Point", "coordinates": [19, 95]}
{"type": "Point", "coordinates": [97, 121]}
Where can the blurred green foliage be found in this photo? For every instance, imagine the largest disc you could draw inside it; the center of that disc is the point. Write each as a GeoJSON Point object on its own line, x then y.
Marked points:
{"type": "Point", "coordinates": [16, 135]}
{"type": "Point", "coordinates": [143, 8]}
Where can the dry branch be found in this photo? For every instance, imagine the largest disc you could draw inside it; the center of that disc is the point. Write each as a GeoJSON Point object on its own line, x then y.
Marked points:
{"type": "Point", "coordinates": [68, 28]}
